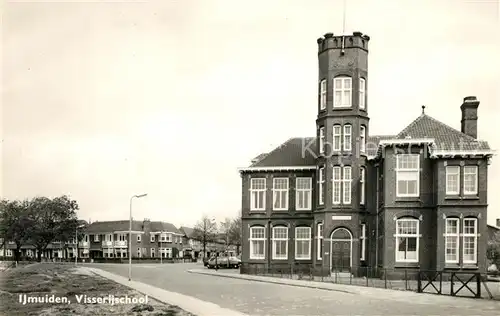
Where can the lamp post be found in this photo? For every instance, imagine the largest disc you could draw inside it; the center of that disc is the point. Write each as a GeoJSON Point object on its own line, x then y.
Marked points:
{"type": "Point", "coordinates": [130, 235]}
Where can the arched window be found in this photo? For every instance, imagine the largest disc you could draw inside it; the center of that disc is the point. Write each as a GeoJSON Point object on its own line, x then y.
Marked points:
{"type": "Point", "coordinates": [470, 241]}
{"type": "Point", "coordinates": [322, 94]}
{"type": "Point", "coordinates": [362, 139]}
{"type": "Point", "coordinates": [342, 89]}
{"type": "Point", "coordinates": [347, 137]}
{"type": "Point", "coordinates": [337, 137]}
{"type": "Point", "coordinates": [362, 94]}
{"type": "Point", "coordinates": [451, 242]}
{"type": "Point", "coordinates": [280, 242]}
{"type": "Point", "coordinates": [303, 243]}
{"type": "Point", "coordinates": [347, 184]}
{"type": "Point", "coordinates": [257, 242]}
{"type": "Point", "coordinates": [362, 182]}
{"type": "Point", "coordinates": [407, 240]}
{"type": "Point", "coordinates": [320, 241]}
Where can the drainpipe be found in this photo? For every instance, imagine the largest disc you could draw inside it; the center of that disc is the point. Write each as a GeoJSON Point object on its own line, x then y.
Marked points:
{"type": "Point", "coordinates": [377, 219]}
{"type": "Point", "coordinates": [269, 250]}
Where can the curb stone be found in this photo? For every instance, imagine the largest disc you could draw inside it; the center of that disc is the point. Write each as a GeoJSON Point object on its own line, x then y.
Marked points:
{"type": "Point", "coordinates": [389, 294]}
{"type": "Point", "coordinates": [190, 304]}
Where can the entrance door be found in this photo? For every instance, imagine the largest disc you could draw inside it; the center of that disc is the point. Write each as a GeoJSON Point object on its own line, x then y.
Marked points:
{"type": "Point", "coordinates": [341, 242]}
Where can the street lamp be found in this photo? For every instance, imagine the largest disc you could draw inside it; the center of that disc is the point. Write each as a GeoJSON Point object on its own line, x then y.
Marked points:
{"type": "Point", "coordinates": [130, 236]}
{"type": "Point", "coordinates": [79, 225]}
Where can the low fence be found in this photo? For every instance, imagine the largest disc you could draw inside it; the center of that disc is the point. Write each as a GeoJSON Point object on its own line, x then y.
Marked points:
{"type": "Point", "coordinates": [102, 260]}
{"type": "Point", "coordinates": [464, 284]}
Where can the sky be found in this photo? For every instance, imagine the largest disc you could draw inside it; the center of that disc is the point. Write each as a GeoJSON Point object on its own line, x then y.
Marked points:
{"type": "Point", "coordinates": [101, 101]}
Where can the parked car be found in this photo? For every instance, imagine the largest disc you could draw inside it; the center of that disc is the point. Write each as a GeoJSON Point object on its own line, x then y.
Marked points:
{"type": "Point", "coordinates": [206, 259]}
{"type": "Point", "coordinates": [224, 262]}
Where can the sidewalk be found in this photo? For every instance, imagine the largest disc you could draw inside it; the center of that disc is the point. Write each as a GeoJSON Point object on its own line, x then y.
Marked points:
{"type": "Point", "coordinates": [187, 303]}
{"type": "Point", "coordinates": [370, 292]}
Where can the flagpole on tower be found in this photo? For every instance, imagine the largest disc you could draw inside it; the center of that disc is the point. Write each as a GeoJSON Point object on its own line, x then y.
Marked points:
{"type": "Point", "coordinates": [343, 28]}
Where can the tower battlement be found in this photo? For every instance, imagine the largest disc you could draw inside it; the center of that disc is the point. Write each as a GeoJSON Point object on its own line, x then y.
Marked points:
{"type": "Point", "coordinates": [331, 41]}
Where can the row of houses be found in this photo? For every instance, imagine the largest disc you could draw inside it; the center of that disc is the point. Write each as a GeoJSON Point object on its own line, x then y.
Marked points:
{"type": "Point", "coordinates": [110, 239]}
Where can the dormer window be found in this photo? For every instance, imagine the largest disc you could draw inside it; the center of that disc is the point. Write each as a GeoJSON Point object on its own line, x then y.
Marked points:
{"type": "Point", "coordinates": [342, 92]}
{"type": "Point", "coordinates": [322, 95]}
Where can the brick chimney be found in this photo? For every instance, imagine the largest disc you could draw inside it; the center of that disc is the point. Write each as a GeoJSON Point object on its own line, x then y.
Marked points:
{"type": "Point", "coordinates": [469, 116]}
{"type": "Point", "coordinates": [498, 222]}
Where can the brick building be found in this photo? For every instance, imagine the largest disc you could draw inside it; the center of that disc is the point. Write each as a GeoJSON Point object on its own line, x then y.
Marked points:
{"type": "Point", "coordinates": [346, 199]}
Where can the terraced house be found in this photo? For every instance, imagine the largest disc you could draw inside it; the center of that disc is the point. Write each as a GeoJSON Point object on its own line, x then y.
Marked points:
{"type": "Point", "coordinates": [150, 239]}
{"type": "Point", "coordinates": [346, 199]}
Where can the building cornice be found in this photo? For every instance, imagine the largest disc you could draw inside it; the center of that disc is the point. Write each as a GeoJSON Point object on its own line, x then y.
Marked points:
{"type": "Point", "coordinates": [276, 168]}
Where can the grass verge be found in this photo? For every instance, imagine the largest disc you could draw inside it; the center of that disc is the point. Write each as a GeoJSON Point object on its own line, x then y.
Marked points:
{"type": "Point", "coordinates": [68, 284]}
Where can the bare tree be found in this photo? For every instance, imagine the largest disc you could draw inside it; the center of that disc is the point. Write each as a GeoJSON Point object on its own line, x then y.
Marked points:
{"type": "Point", "coordinates": [205, 231]}
{"type": "Point", "coordinates": [225, 230]}
{"type": "Point", "coordinates": [235, 233]}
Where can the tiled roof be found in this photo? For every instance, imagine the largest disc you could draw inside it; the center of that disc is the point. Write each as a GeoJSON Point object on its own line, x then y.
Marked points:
{"type": "Point", "coordinates": [188, 231]}
{"type": "Point", "coordinates": [110, 226]}
{"type": "Point", "coordinates": [445, 137]}
{"type": "Point", "coordinates": [299, 151]}
{"type": "Point", "coordinates": [164, 227]}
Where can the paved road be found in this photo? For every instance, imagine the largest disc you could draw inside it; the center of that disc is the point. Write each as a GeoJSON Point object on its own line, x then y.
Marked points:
{"type": "Point", "coordinates": [258, 298]}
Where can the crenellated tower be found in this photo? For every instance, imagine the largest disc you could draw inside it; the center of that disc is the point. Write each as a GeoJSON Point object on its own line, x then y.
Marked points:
{"type": "Point", "coordinates": [342, 121]}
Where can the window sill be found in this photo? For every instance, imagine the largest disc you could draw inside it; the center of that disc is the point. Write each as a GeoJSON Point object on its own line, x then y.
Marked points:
{"type": "Point", "coordinates": [263, 211]}
{"type": "Point", "coordinates": [407, 265]}
{"type": "Point", "coordinates": [408, 199]}
{"type": "Point", "coordinates": [454, 266]}
{"type": "Point", "coordinates": [470, 266]}
{"type": "Point", "coordinates": [343, 107]}
{"type": "Point", "coordinates": [471, 197]}
{"type": "Point", "coordinates": [452, 197]}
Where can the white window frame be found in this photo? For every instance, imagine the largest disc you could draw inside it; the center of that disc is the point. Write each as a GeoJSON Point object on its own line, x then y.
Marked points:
{"type": "Point", "coordinates": [339, 85]}
{"type": "Point", "coordinates": [402, 172]}
{"type": "Point", "coordinates": [337, 137]}
{"type": "Point", "coordinates": [474, 174]}
{"type": "Point", "coordinates": [139, 253]}
{"type": "Point", "coordinates": [336, 185]}
{"type": "Point", "coordinates": [362, 139]}
{"type": "Point", "coordinates": [347, 137]}
{"type": "Point", "coordinates": [319, 238]}
{"type": "Point", "coordinates": [152, 252]}
{"type": "Point", "coordinates": [279, 239]}
{"type": "Point", "coordinates": [152, 238]}
{"type": "Point", "coordinates": [258, 192]}
{"type": "Point", "coordinates": [305, 192]}
{"type": "Point", "coordinates": [281, 188]}
{"type": "Point", "coordinates": [257, 239]}
{"type": "Point", "coordinates": [362, 93]}
{"type": "Point", "coordinates": [138, 237]}
{"type": "Point", "coordinates": [363, 242]}
{"type": "Point", "coordinates": [469, 235]}
{"type": "Point", "coordinates": [346, 184]}
{"type": "Point", "coordinates": [407, 235]}
{"type": "Point", "coordinates": [362, 182]}
{"type": "Point", "coordinates": [322, 94]}
{"type": "Point", "coordinates": [109, 237]}
{"type": "Point", "coordinates": [321, 185]}
{"type": "Point", "coordinates": [321, 140]}
{"type": "Point", "coordinates": [302, 239]}
{"type": "Point", "coordinates": [96, 237]}
{"type": "Point", "coordinates": [452, 235]}
{"type": "Point", "coordinates": [452, 173]}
